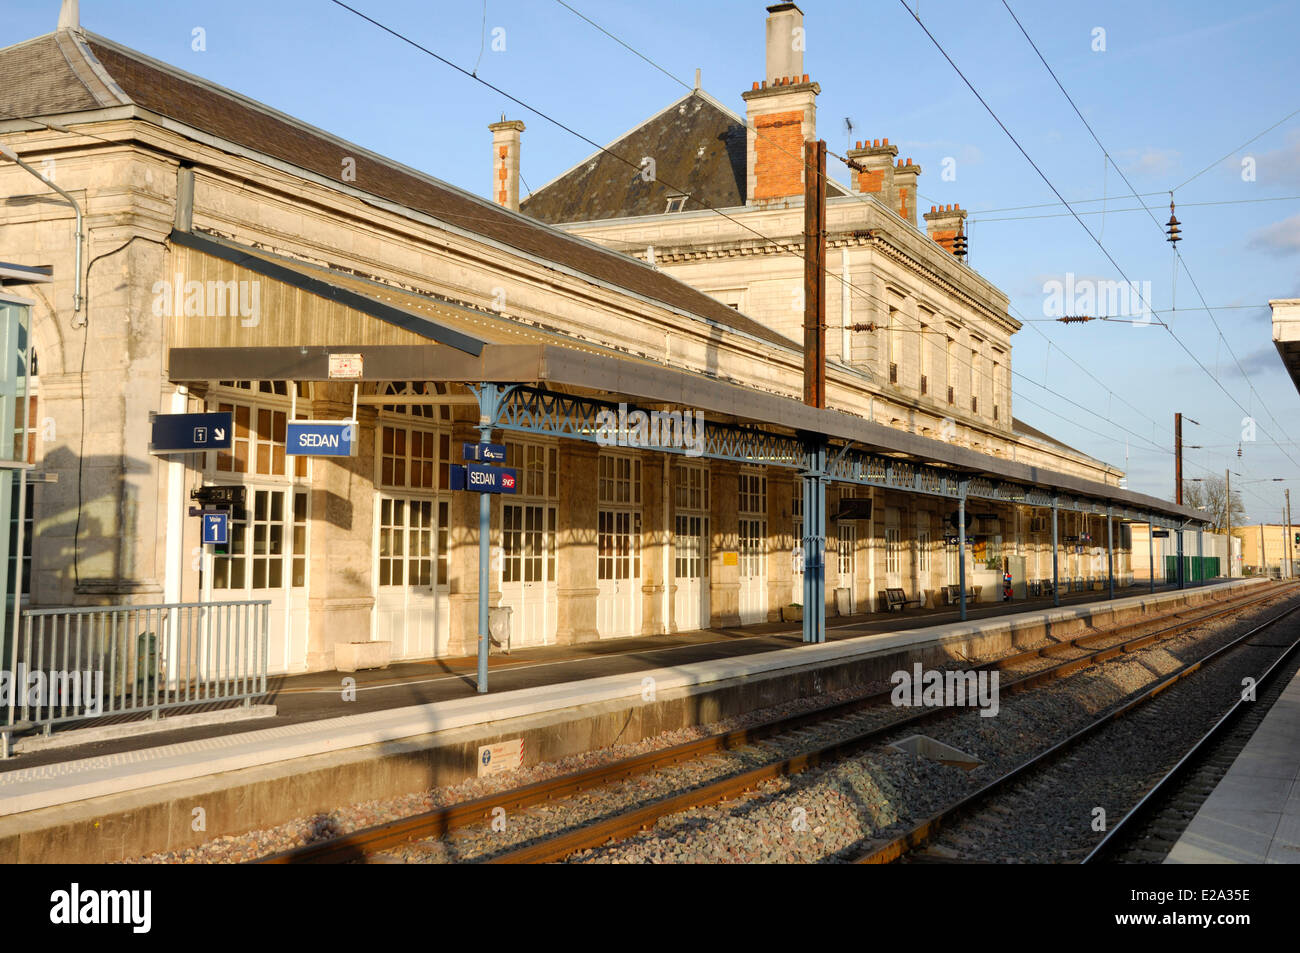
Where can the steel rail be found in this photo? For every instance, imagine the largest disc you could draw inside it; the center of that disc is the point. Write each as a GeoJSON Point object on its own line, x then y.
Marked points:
{"type": "Point", "coordinates": [923, 832]}
{"type": "Point", "coordinates": [357, 845]}
{"type": "Point", "coordinates": [1140, 811]}
{"type": "Point", "coordinates": [629, 822]}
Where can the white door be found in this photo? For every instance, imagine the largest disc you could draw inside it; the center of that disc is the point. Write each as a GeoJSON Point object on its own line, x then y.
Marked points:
{"type": "Point", "coordinates": [753, 570]}
{"type": "Point", "coordinates": [796, 543]}
{"type": "Point", "coordinates": [618, 571]}
{"type": "Point", "coordinates": [691, 590]}
{"type": "Point", "coordinates": [848, 559]}
{"type": "Point", "coordinates": [411, 601]}
{"type": "Point", "coordinates": [528, 571]}
{"type": "Point", "coordinates": [893, 550]}
{"type": "Point", "coordinates": [266, 558]}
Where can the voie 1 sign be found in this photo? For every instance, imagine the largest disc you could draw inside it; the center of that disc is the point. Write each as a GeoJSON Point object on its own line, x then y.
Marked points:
{"type": "Point", "coordinates": [321, 438]}
{"type": "Point", "coordinates": [483, 479]}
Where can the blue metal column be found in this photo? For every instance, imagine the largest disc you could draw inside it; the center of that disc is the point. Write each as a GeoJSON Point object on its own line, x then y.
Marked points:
{"type": "Point", "coordinates": [961, 546]}
{"type": "Point", "coordinates": [1151, 552]}
{"type": "Point", "coordinates": [1056, 582]}
{"type": "Point", "coordinates": [814, 545]}
{"type": "Point", "coordinates": [491, 398]}
{"type": "Point", "coordinates": [1110, 554]}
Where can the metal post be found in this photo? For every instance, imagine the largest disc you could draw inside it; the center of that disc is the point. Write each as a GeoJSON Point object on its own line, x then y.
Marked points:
{"type": "Point", "coordinates": [1151, 554]}
{"type": "Point", "coordinates": [1181, 581]}
{"type": "Point", "coordinates": [1290, 554]}
{"type": "Point", "coordinates": [491, 398]}
{"type": "Point", "coordinates": [1200, 553]}
{"type": "Point", "coordinates": [961, 546]}
{"type": "Point", "coordinates": [814, 545]}
{"type": "Point", "coordinates": [1110, 554]}
{"type": "Point", "coordinates": [1056, 582]}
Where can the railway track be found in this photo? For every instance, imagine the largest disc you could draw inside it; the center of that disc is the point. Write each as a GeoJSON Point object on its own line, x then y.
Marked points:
{"type": "Point", "coordinates": [858, 720]}
{"type": "Point", "coordinates": [1149, 831]}
{"type": "Point", "coordinates": [988, 823]}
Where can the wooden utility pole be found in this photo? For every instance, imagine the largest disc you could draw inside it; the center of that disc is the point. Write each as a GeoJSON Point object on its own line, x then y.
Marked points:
{"type": "Point", "coordinates": [814, 274]}
{"type": "Point", "coordinates": [1178, 459]}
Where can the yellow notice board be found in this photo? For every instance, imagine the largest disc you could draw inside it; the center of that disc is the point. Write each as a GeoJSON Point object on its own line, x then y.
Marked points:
{"type": "Point", "coordinates": [731, 558]}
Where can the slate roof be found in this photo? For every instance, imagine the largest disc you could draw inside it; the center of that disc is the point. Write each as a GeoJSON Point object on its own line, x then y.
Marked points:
{"type": "Point", "coordinates": [1018, 426]}
{"type": "Point", "coordinates": [68, 72]}
{"type": "Point", "coordinates": [698, 145]}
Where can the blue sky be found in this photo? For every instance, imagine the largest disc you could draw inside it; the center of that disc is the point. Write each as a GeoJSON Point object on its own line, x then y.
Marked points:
{"type": "Point", "coordinates": [1178, 86]}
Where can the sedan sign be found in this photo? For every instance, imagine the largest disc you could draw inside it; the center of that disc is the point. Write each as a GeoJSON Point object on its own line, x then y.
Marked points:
{"type": "Point", "coordinates": [483, 479]}
{"type": "Point", "coordinates": [321, 438]}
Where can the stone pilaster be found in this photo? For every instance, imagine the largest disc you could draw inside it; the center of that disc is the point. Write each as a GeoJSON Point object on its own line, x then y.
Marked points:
{"type": "Point", "coordinates": [724, 550]}
{"type": "Point", "coordinates": [576, 588]}
{"type": "Point", "coordinates": [342, 593]}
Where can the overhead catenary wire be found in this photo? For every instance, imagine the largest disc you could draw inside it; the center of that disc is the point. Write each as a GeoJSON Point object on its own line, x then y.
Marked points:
{"type": "Point", "coordinates": [1105, 251]}
{"type": "Point", "coordinates": [1222, 338]}
{"type": "Point", "coordinates": [861, 198]}
{"type": "Point", "coordinates": [785, 246]}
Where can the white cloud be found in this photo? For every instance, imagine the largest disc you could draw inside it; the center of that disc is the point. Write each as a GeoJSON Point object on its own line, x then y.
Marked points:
{"type": "Point", "coordinates": [1280, 238]}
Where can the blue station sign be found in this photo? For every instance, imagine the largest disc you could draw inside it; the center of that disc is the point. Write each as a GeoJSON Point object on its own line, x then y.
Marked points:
{"type": "Point", "coordinates": [216, 528]}
{"type": "Point", "coordinates": [320, 438]}
{"type": "Point", "coordinates": [491, 452]}
{"type": "Point", "coordinates": [185, 433]}
{"type": "Point", "coordinates": [483, 479]}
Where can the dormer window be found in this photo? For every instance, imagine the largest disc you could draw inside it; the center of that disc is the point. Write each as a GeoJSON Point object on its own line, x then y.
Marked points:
{"type": "Point", "coordinates": [675, 203]}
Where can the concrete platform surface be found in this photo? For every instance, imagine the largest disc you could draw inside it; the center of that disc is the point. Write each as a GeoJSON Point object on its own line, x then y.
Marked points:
{"type": "Point", "coordinates": [1253, 814]}
{"type": "Point", "coordinates": [578, 680]}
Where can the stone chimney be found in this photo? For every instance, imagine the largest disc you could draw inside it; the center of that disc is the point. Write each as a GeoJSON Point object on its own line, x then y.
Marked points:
{"type": "Point", "coordinates": [69, 16]}
{"type": "Point", "coordinates": [505, 162]}
{"type": "Point", "coordinates": [781, 111]}
{"type": "Point", "coordinates": [905, 176]}
{"type": "Point", "coordinates": [942, 223]}
{"type": "Point", "coordinates": [877, 157]}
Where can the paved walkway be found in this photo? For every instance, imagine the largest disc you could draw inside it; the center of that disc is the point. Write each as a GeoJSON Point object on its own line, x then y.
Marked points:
{"type": "Point", "coordinates": [1253, 815]}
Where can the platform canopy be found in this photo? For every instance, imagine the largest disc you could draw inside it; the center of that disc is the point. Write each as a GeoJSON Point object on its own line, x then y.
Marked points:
{"type": "Point", "coordinates": [559, 385]}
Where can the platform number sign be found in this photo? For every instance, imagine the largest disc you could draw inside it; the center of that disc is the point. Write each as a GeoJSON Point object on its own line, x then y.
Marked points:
{"type": "Point", "coordinates": [216, 528]}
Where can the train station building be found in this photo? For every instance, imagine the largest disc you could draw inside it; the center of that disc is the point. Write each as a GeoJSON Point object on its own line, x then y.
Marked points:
{"type": "Point", "coordinates": [633, 349]}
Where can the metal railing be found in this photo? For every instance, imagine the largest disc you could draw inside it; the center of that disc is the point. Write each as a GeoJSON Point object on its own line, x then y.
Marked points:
{"type": "Point", "coordinates": [73, 664]}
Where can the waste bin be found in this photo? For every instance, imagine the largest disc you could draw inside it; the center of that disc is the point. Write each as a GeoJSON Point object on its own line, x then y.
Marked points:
{"type": "Point", "coordinates": [499, 626]}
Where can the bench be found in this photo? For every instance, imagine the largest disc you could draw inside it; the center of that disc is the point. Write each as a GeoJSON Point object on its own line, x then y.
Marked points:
{"type": "Point", "coordinates": [896, 599]}
{"type": "Point", "coordinates": [952, 595]}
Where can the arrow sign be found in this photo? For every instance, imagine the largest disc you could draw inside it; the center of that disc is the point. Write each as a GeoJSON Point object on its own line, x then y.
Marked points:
{"type": "Point", "coordinates": [185, 433]}
{"type": "Point", "coordinates": [483, 479]}
{"type": "Point", "coordinates": [494, 452]}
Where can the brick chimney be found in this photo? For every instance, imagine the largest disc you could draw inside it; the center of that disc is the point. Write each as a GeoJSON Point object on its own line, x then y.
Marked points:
{"type": "Point", "coordinates": [782, 112]}
{"type": "Point", "coordinates": [905, 176]}
{"type": "Point", "coordinates": [877, 157]}
{"type": "Point", "coordinates": [942, 223]}
{"type": "Point", "coordinates": [505, 162]}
